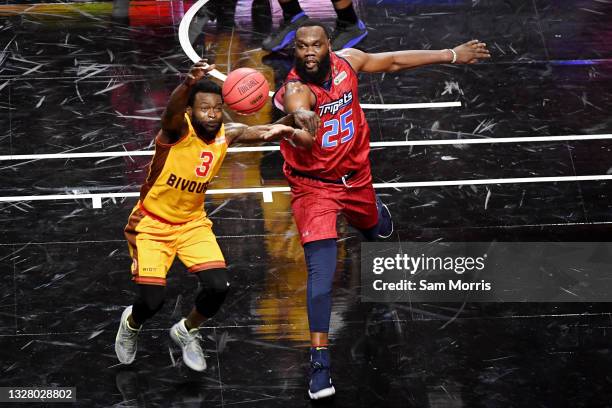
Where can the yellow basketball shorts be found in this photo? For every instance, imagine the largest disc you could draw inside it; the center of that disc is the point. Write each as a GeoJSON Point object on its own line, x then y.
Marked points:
{"type": "Point", "coordinates": [154, 243]}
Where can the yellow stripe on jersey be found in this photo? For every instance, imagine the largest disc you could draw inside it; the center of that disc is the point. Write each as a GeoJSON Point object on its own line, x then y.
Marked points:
{"type": "Point", "coordinates": [179, 175]}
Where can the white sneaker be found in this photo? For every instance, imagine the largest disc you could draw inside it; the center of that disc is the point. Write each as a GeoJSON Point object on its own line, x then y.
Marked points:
{"type": "Point", "coordinates": [189, 342]}
{"type": "Point", "coordinates": [125, 341]}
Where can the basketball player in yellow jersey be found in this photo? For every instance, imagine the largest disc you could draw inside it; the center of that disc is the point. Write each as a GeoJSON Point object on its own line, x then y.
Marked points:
{"type": "Point", "coordinates": [169, 219]}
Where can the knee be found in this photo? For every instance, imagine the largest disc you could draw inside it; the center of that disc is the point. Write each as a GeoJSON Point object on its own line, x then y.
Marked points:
{"type": "Point", "coordinates": [214, 280]}
{"type": "Point", "coordinates": [152, 297]}
{"type": "Point", "coordinates": [321, 263]}
{"type": "Point", "coordinates": [149, 302]}
{"type": "Point", "coordinates": [215, 285]}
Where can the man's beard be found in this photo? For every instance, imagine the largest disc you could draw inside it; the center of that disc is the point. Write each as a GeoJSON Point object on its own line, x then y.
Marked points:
{"type": "Point", "coordinates": [202, 131]}
{"type": "Point", "coordinates": [315, 77]}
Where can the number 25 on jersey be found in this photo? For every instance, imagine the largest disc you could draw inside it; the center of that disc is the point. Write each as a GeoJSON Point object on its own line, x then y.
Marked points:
{"type": "Point", "coordinates": [339, 131]}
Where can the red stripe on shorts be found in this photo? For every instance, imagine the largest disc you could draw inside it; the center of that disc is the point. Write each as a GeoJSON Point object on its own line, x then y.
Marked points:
{"type": "Point", "coordinates": [206, 265]}
{"type": "Point", "coordinates": [149, 280]}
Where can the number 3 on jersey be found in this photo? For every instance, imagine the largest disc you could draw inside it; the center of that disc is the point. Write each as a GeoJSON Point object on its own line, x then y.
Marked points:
{"type": "Point", "coordinates": [203, 169]}
{"type": "Point", "coordinates": [342, 129]}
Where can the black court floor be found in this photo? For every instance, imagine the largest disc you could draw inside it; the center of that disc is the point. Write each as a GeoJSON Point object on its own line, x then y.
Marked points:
{"type": "Point", "coordinates": [93, 77]}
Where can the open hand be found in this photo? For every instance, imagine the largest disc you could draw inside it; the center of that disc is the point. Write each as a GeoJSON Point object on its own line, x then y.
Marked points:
{"type": "Point", "coordinates": [471, 52]}
{"type": "Point", "coordinates": [198, 71]}
{"type": "Point", "coordinates": [277, 132]}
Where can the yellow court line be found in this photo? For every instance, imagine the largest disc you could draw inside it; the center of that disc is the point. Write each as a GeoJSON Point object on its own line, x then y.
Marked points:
{"type": "Point", "coordinates": [56, 8]}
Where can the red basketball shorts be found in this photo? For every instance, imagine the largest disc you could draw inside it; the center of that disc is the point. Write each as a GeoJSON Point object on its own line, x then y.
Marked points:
{"type": "Point", "coordinates": [316, 205]}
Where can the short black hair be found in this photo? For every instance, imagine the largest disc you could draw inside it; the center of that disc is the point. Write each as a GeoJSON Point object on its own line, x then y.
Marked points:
{"type": "Point", "coordinates": [205, 86]}
{"type": "Point", "coordinates": [312, 23]}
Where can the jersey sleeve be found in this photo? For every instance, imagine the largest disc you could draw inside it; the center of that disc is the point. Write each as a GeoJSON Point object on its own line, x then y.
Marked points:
{"type": "Point", "coordinates": [279, 96]}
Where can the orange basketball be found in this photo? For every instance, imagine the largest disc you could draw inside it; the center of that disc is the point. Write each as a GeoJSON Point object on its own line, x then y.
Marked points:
{"type": "Point", "coordinates": [245, 90]}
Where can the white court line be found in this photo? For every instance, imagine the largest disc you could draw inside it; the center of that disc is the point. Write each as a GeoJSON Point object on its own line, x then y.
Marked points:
{"type": "Point", "coordinates": [424, 105]}
{"type": "Point", "coordinates": [517, 180]}
{"type": "Point", "coordinates": [491, 140]}
{"type": "Point", "coordinates": [526, 139]}
{"type": "Point", "coordinates": [183, 34]}
{"type": "Point", "coordinates": [267, 191]}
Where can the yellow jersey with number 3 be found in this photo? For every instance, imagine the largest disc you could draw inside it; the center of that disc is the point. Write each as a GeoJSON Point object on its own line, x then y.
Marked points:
{"type": "Point", "coordinates": [179, 174]}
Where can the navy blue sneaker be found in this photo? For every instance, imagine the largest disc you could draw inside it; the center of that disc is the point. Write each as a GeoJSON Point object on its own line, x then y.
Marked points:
{"type": "Point", "coordinates": [320, 381]}
{"type": "Point", "coordinates": [286, 33]}
{"type": "Point", "coordinates": [385, 222]}
{"type": "Point", "coordinates": [348, 35]}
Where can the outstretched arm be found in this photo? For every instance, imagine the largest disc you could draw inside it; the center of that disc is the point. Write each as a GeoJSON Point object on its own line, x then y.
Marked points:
{"type": "Point", "coordinates": [467, 53]}
{"type": "Point", "coordinates": [239, 133]}
{"type": "Point", "coordinates": [173, 124]}
{"type": "Point", "coordinates": [298, 102]}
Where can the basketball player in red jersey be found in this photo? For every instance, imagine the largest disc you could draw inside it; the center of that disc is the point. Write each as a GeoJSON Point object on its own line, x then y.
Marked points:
{"type": "Point", "coordinates": [169, 219]}
{"type": "Point", "coordinates": [334, 176]}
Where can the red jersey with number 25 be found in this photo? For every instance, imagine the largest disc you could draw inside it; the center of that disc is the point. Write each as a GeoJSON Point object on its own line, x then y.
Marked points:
{"type": "Point", "coordinates": [342, 142]}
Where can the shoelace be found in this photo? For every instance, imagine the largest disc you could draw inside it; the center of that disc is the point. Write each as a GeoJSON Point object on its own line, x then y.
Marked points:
{"type": "Point", "coordinates": [128, 334]}
{"type": "Point", "coordinates": [195, 336]}
{"type": "Point", "coordinates": [317, 366]}
{"type": "Point", "coordinates": [190, 338]}
{"type": "Point", "coordinates": [194, 341]}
